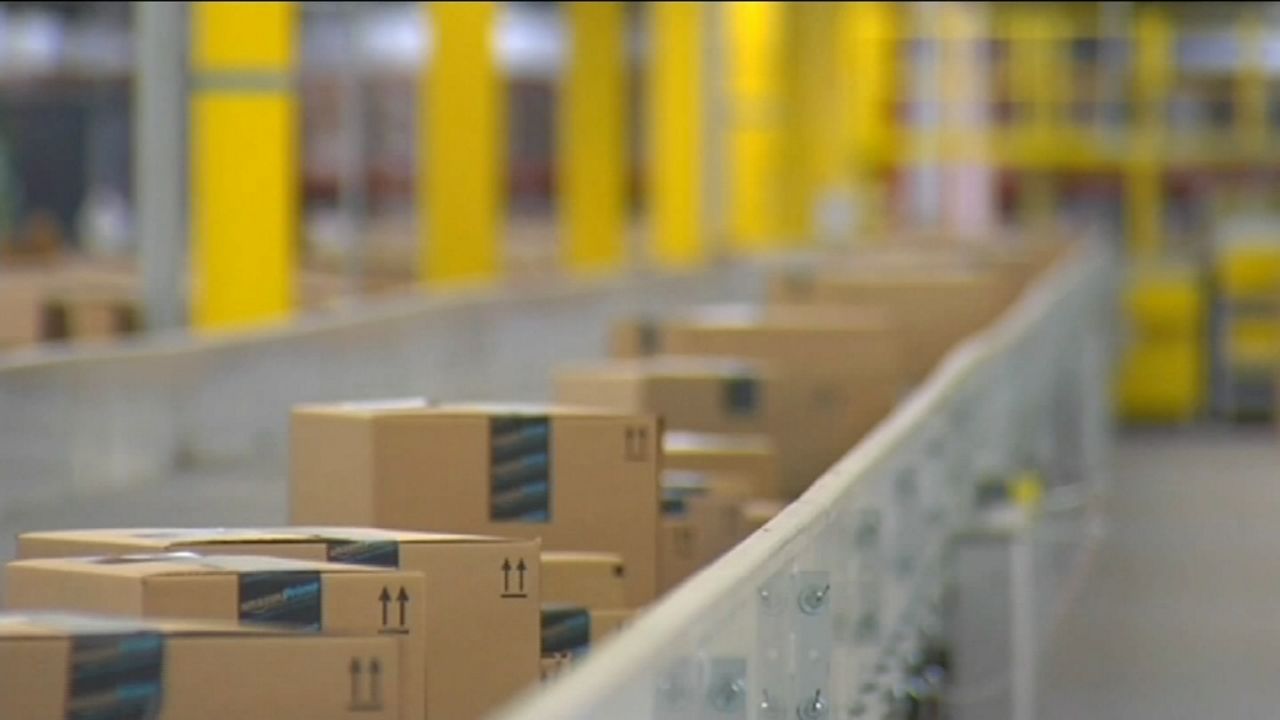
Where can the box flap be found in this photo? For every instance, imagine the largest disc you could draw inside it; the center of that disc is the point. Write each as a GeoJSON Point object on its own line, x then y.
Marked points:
{"type": "Point", "coordinates": [54, 624]}
{"type": "Point", "coordinates": [672, 366]}
{"type": "Point", "coordinates": [162, 538]}
{"type": "Point", "coordinates": [557, 557]}
{"type": "Point", "coordinates": [185, 563]}
{"type": "Point", "coordinates": [676, 441]}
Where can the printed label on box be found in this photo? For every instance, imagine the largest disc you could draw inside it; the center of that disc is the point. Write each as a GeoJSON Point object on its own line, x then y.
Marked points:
{"type": "Point", "coordinates": [520, 469]}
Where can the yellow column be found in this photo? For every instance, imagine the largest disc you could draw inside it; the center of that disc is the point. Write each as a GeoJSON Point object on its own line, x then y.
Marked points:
{"type": "Point", "coordinates": [813, 135]}
{"type": "Point", "coordinates": [676, 125]}
{"type": "Point", "coordinates": [754, 44]}
{"type": "Point", "coordinates": [592, 138]}
{"type": "Point", "coordinates": [463, 150]}
{"type": "Point", "coordinates": [244, 163]}
{"type": "Point", "coordinates": [1153, 60]}
{"type": "Point", "coordinates": [870, 58]}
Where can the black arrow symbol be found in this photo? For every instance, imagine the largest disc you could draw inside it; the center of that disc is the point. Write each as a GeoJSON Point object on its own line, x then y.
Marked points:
{"type": "Point", "coordinates": [375, 683]}
{"type": "Point", "coordinates": [356, 670]}
{"type": "Point", "coordinates": [520, 568]}
{"type": "Point", "coordinates": [506, 574]}
{"type": "Point", "coordinates": [402, 599]}
{"type": "Point", "coordinates": [385, 599]}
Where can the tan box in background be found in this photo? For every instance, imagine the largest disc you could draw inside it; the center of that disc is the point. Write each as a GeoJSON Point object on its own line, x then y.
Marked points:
{"type": "Point", "coordinates": [934, 308]}
{"type": "Point", "coordinates": [481, 631]}
{"type": "Point", "coordinates": [592, 580]}
{"type": "Point", "coordinates": [307, 595]}
{"type": "Point", "coordinates": [837, 369]}
{"type": "Point", "coordinates": [635, 337]}
{"type": "Point", "coordinates": [715, 394]}
{"type": "Point", "coordinates": [577, 479]}
{"type": "Point", "coordinates": [570, 631]}
{"type": "Point", "coordinates": [758, 511]}
{"type": "Point", "coordinates": [59, 666]}
{"type": "Point", "coordinates": [749, 460]}
{"type": "Point", "coordinates": [700, 522]}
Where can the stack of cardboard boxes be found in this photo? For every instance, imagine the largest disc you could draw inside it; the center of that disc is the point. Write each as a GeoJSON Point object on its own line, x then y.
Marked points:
{"type": "Point", "coordinates": [526, 533]}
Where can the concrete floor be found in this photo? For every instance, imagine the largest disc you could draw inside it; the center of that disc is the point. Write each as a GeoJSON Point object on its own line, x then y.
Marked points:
{"type": "Point", "coordinates": [1179, 614]}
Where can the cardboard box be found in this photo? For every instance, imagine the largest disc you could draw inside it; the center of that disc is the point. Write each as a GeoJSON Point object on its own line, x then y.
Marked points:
{"type": "Point", "coordinates": [758, 511]}
{"type": "Point", "coordinates": [89, 313]}
{"type": "Point", "coordinates": [698, 525]}
{"type": "Point", "coordinates": [59, 666]}
{"type": "Point", "coordinates": [589, 579]}
{"type": "Point", "coordinates": [635, 336]}
{"type": "Point", "coordinates": [578, 479]}
{"type": "Point", "coordinates": [838, 373]}
{"type": "Point", "coordinates": [256, 590]}
{"type": "Point", "coordinates": [570, 631]}
{"type": "Point", "coordinates": [934, 308]}
{"type": "Point", "coordinates": [748, 460]}
{"type": "Point", "coordinates": [716, 394]}
{"type": "Point", "coordinates": [481, 626]}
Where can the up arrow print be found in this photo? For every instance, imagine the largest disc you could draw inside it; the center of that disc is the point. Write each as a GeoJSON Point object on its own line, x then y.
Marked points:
{"type": "Point", "coordinates": [402, 599]}
{"type": "Point", "coordinates": [356, 669]}
{"type": "Point", "coordinates": [520, 568]}
{"type": "Point", "coordinates": [506, 575]}
{"type": "Point", "coordinates": [385, 599]}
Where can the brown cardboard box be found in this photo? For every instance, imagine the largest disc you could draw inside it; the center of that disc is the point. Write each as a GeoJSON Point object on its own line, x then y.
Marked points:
{"type": "Point", "coordinates": [715, 394]}
{"type": "Point", "coordinates": [748, 460]}
{"type": "Point", "coordinates": [89, 313]}
{"type": "Point", "coordinates": [592, 580]}
{"type": "Point", "coordinates": [635, 336]}
{"type": "Point", "coordinates": [678, 554]}
{"type": "Point", "coordinates": [570, 631]}
{"type": "Point", "coordinates": [934, 307]}
{"type": "Point", "coordinates": [715, 509]}
{"type": "Point", "coordinates": [481, 631]}
{"type": "Point", "coordinates": [257, 590]}
{"type": "Point", "coordinates": [758, 511]}
{"type": "Point", "coordinates": [838, 373]}
{"type": "Point", "coordinates": [577, 479]}
{"type": "Point", "coordinates": [59, 666]}
{"type": "Point", "coordinates": [698, 525]}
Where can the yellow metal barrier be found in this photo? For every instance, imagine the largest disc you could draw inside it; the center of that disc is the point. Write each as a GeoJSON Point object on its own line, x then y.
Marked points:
{"type": "Point", "coordinates": [244, 163]}
{"type": "Point", "coordinates": [463, 148]}
{"type": "Point", "coordinates": [593, 138]}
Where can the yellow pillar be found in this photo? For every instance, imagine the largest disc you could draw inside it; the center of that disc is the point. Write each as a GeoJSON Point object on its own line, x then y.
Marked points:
{"type": "Point", "coordinates": [812, 131]}
{"type": "Point", "coordinates": [592, 141]}
{"type": "Point", "coordinates": [677, 195]}
{"type": "Point", "coordinates": [869, 52]}
{"type": "Point", "coordinates": [753, 42]}
{"type": "Point", "coordinates": [1153, 60]}
{"type": "Point", "coordinates": [244, 163]}
{"type": "Point", "coordinates": [463, 150]}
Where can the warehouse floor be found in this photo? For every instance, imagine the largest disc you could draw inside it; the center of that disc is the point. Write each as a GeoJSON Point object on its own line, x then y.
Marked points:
{"type": "Point", "coordinates": [1174, 618]}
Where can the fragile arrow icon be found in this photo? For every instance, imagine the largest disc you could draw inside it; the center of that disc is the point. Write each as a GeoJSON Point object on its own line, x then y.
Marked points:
{"type": "Point", "coordinates": [402, 599]}
{"type": "Point", "coordinates": [520, 568]}
{"type": "Point", "coordinates": [385, 599]}
{"type": "Point", "coordinates": [375, 683]}
{"type": "Point", "coordinates": [356, 669]}
{"type": "Point", "coordinates": [506, 574]}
